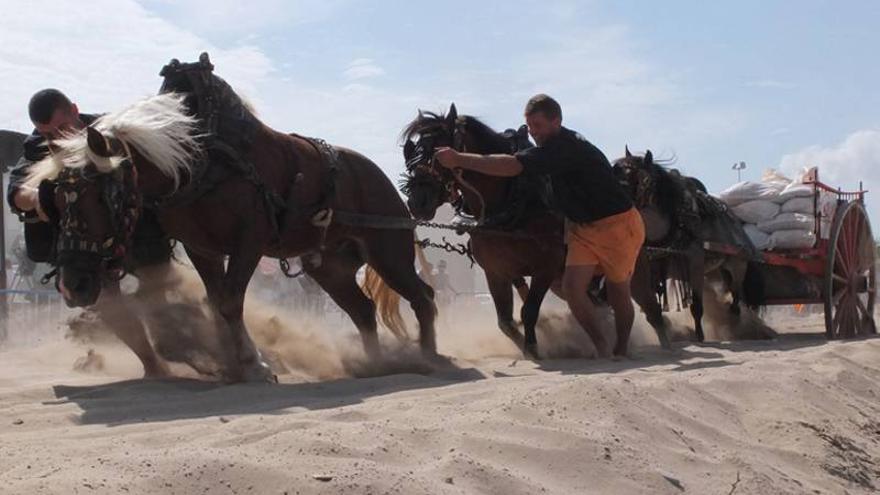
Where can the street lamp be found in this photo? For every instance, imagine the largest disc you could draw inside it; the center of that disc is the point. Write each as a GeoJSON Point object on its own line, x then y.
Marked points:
{"type": "Point", "coordinates": [739, 167]}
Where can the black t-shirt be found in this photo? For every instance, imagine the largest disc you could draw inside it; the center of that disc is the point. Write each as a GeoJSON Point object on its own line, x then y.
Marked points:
{"type": "Point", "coordinates": [35, 149]}
{"type": "Point", "coordinates": [584, 186]}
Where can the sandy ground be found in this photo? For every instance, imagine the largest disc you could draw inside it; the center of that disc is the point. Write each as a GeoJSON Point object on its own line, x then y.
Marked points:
{"type": "Point", "coordinates": [794, 415]}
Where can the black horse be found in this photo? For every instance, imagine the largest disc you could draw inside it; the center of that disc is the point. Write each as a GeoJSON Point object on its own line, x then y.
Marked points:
{"type": "Point", "coordinates": [680, 217]}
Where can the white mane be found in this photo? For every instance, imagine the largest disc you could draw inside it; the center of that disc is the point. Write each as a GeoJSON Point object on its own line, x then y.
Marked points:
{"type": "Point", "coordinates": [158, 127]}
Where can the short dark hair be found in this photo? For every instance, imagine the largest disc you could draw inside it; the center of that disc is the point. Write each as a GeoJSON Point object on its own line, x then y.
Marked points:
{"type": "Point", "coordinates": [44, 103]}
{"type": "Point", "coordinates": [544, 104]}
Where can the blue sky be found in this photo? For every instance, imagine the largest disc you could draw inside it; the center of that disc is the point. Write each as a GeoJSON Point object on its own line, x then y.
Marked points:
{"type": "Point", "coordinates": [771, 83]}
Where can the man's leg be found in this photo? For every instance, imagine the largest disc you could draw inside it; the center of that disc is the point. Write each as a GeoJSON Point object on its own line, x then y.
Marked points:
{"type": "Point", "coordinates": [575, 283]}
{"type": "Point", "coordinates": [620, 299]}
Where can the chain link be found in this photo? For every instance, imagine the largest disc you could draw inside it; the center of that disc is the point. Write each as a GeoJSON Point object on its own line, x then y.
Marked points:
{"type": "Point", "coordinates": [458, 248]}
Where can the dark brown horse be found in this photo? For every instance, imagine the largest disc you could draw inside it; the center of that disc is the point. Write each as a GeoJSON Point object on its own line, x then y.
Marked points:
{"type": "Point", "coordinates": [680, 217]}
{"type": "Point", "coordinates": [232, 190]}
{"type": "Point", "coordinates": [519, 233]}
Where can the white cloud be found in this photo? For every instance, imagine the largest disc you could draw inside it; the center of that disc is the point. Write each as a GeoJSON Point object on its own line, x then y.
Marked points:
{"type": "Point", "coordinates": [856, 159]}
{"type": "Point", "coordinates": [104, 54]}
{"type": "Point", "coordinates": [769, 84]}
{"type": "Point", "coordinates": [363, 68]}
{"type": "Point", "coordinates": [234, 17]}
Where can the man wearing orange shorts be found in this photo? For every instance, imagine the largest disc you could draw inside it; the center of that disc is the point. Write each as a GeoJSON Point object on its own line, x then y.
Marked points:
{"type": "Point", "coordinates": [604, 231]}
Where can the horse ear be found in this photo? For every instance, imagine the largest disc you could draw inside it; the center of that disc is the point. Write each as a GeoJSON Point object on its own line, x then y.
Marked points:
{"type": "Point", "coordinates": [452, 115]}
{"type": "Point", "coordinates": [628, 154]}
{"type": "Point", "coordinates": [408, 148]}
{"type": "Point", "coordinates": [649, 157]}
{"type": "Point", "coordinates": [97, 142]}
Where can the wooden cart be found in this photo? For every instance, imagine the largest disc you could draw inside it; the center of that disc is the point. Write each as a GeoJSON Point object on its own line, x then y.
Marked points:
{"type": "Point", "coordinates": [838, 272]}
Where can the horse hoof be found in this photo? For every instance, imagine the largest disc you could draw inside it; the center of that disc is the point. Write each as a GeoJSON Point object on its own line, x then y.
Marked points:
{"type": "Point", "coordinates": [157, 371]}
{"type": "Point", "coordinates": [259, 372]}
{"type": "Point", "coordinates": [530, 351]}
{"type": "Point", "coordinates": [435, 359]}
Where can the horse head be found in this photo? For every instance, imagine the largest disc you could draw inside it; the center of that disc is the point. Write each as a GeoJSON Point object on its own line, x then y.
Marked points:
{"type": "Point", "coordinates": [647, 184]}
{"type": "Point", "coordinates": [96, 207]}
{"type": "Point", "coordinates": [94, 183]}
{"type": "Point", "coordinates": [428, 185]}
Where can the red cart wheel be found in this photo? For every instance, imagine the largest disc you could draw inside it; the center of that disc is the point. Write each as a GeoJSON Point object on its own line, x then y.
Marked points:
{"type": "Point", "coordinates": [850, 285]}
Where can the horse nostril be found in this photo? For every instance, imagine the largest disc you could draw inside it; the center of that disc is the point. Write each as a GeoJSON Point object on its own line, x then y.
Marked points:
{"type": "Point", "coordinates": [78, 284]}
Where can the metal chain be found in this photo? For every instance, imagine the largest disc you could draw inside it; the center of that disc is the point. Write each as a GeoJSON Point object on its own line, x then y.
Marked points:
{"type": "Point", "coordinates": [285, 269]}
{"type": "Point", "coordinates": [458, 248]}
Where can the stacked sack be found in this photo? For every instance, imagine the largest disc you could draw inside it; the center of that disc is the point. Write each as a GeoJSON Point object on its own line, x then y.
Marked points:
{"type": "Point", "coordinates": [778, 213]}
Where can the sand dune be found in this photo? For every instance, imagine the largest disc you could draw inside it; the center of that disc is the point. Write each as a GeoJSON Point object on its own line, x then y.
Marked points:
{"type": "Point", "coordinates": [795, 415]}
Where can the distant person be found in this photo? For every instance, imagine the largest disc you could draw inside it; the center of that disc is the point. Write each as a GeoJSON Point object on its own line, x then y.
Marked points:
{"type": "Point", "coordinates": [444, 292]}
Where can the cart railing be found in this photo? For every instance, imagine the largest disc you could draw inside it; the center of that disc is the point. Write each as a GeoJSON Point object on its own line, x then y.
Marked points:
{"type": "Point", "coordinates": [842, 197]}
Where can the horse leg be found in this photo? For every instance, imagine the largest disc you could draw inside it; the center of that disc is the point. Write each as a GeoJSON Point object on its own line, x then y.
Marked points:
{"type": "Point", "coordinates": [643, 294]}
{"type": "Point", "coordinates": [502, 297]}
{"type": "Point", "coordinates": [522, 288]}
{"type": "Point", "coordinates": [239, 271]}
{"type": "Point", "coordinates": [210, 270]}
{"type": "Point", "coordinates": [398, 271]}
{"type": "Point", "coordinates": [697, 278]}
{"type": "Point", "coordinates": [119, 315]}
{"type": "Point", "coordinates": [337, 276]}
{"type": "Point", "coordinates": [530, 311]}
{"type": "Point", "coordinates": [226, 290]}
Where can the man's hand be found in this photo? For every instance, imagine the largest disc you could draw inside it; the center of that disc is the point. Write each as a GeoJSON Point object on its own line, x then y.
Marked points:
{"type": "Point", "coordinates": [448, 157]}
{"type": "Point", "coordinates": [28, 199]}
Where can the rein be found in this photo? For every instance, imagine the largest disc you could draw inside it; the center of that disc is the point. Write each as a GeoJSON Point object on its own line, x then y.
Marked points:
{"type": "Point", "coordinates": [434, 169]}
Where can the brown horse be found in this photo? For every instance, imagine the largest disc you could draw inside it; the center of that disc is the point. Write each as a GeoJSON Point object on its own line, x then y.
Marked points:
{"type": "Point", "coordinates": [519, 235]}
{"type": "Point", "coordinates": [231, 190]}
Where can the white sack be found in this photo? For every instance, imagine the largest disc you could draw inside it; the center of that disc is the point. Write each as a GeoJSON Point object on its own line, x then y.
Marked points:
{"type": "Point", "coordinates": [742, 192]}
{"type": "Point", "coordinates": [788, 221]}
{"type": "Point", "coordinates": [759, 239]}
{"type": "Point", "coordinates": [756, 211]}
{"type": "Point", "coordinates": [798, 205]}
{"type": "Point", "coordinates": [792, 239]}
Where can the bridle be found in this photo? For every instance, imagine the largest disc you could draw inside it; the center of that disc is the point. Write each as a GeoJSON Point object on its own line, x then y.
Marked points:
{"type": "Point", "coordinates": [119, 194]}
{"type": "Point", "coordinates": [423, 160]}
{"type": "Point", "coordinates": [642, 187]}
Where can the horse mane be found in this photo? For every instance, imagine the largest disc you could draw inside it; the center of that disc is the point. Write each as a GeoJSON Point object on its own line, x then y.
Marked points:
{"type": "Point", "coordinates": [158, 127]}
{"type": "Point", "coordinates": [491, 140]}
{"type": "Point", "coordinates": [670, 188]}
{"type": "Point", "coordinates": [423, 122]}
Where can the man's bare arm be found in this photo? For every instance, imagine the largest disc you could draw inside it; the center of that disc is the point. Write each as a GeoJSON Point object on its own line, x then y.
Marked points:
{"type": "Point", "coordinates": [495, 165]}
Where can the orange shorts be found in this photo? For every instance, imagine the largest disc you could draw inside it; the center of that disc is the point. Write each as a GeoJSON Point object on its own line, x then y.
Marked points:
{"type": "Point", "coordinates": [612, 243]}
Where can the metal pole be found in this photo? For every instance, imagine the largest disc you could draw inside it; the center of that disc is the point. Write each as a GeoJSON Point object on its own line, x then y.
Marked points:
{"type": "Point", "coordinates": [4, 305]}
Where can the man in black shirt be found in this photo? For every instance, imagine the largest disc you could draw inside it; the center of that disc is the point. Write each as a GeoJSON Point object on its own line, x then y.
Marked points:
{"type": "Point", "coordinates": [54, 115]}
{"type": "Point", "coordinates": [603, 229]}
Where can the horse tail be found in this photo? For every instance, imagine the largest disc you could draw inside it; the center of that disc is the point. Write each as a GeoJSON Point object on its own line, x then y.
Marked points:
{"type": "Point", "coordinates": [387, 303]}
